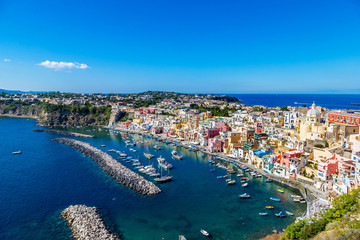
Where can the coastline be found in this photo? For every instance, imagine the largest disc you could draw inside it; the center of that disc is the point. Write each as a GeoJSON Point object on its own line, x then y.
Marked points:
{"type": "Point", "coordinates": [306, 191]}
{"type": "Point", "coordinates": [19, 116]}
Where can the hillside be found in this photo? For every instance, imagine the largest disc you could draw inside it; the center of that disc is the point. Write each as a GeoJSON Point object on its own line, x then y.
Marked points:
{"type": "Point", "coordinates": [57, 114]}
{"type": "Point", "coordinates": [338, 223]}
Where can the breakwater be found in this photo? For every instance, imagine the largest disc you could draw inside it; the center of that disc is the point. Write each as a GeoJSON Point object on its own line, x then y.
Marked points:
{"type": "Point", "coordinates": [112, 167]}
{"type": "Point", "coordinates": [73, 134]}
{"type": "Point", "coordinates": [86, 223]}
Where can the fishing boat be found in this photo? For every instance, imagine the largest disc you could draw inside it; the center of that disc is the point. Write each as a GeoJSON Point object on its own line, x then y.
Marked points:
{"type": "Point", "coordinates": [269, 207]}
{"type": "Point", "coordinates": [280, 214]}
{"type": "Point", "coordinates": [163, 179]}
{"type": "Point", "coordinates": [275, 199]}
{"type": "Point", "coordinates": [245, 195]}
{"type": "Point", "coordinates": [17, 152]}
{"type": "Point", "coordinates": [102, 145]}
{"type": "Point", "coordinates": [244, 184]}
{"type": "Point", "coordinates": [289, 213]}
{"type": "Point", "coordinates": [148, 155]}
{"type": "Point", "coordinates": [263, 214]}
{"type": "Point", "coordinates": [280, 191]}
{"type": "Point", "coordinates": [163, 163]}
{"type": "Point", "coordinates": [205, 233]}
{"type": "Point", "coordinates": [176, 155]}
{"type": "Point", "coordinates": [156, 147]}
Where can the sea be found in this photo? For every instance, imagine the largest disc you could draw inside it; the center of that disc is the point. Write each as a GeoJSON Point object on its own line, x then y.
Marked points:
{"type": "Point", "coordinates": [48, 177]}
{"type": "Point", "coordinates": [329, 101]}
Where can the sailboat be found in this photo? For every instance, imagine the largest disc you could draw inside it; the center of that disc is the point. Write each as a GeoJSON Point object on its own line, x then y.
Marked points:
{"type": "Point", "coordinates": [163, 179]}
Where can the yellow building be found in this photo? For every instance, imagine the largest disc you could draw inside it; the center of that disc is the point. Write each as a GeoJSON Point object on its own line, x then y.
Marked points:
{"type": "Point", "coordinates": [311, 128]}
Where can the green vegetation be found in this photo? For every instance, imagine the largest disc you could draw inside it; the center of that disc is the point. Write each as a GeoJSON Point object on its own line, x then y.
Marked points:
{"type": "Point", "coordinates": [257, 109]}
{"type": "Point", "coordinates": [216, 110]}
{"type": "Point", "coordinates": [285, 108]}
{"type": "Point", "coordinates": [340, 221]}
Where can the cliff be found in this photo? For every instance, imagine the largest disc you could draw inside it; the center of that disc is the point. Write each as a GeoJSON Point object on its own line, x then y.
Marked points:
{"type": "Point", "coordinates": [57, 115]}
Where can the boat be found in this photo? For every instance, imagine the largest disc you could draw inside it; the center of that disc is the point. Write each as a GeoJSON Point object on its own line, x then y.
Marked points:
{"type": "Point", "coordinates": [280, 191]}
{"type": "Point", "coordinates": [244, 184]}
{"type": "Point", "coordinates": [269, 207]}
{"type": "Point", "coordinates": [230, 182]}
{"type": "Point", "coordinates": [148, 155]}
{"type": "Point", "coordinates": [263, 214]}
{"type": "Point", "coordinates": [245, 195]}
{"type": "Point", "coordinates": [275, 199]}
{"type": "Point", "coordinates": [163, 163]}
{"type": "Point", "coordinates": [17, 152]}
{"type": "Point", "coordinates": [102, 145]}
{"type": "Point", "coordinates": [112, 150]}
{"type": "Point", "coordinates": [205, 233]}
{"type": "Point", "coordinates": [231, 171]}
{"type": "Point", "coordinates": [302, 201]}
{"type": "Point", "coordinates": [156, 147]}
{"type": "Point", "coordinates": [280, 214]}
{"type": "Point", "coordinates": [268, 180]}
{"type": "Point", "coordinates": [289, 213]}
{"type": "Point", "coordinates": [219, 177]}
{"type": "Point", "coordinates": [182, 237]}
{"type": "Point", "coordinates": [295, 196]}
{"type": "Point", "coordinates": [122, 154]}
{"type": "Point", "coordinates": [176, 155]}
{"type": "Point", "coordinates": [163, 179]}
{"type": "Point", "coordinates": [240, 175]}
{"type": "Point", "coordinates": [296, 199]}
{"type": "Point", "coordinates": [212, 170]}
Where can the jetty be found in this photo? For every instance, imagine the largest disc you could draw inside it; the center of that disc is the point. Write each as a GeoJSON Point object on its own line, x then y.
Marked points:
{"type": "Point", "coordinates": [112, 167]}
{"type": "Point", "coordinates": [73, 134]}
{"type": "Point", "coordinates": [86, 223]}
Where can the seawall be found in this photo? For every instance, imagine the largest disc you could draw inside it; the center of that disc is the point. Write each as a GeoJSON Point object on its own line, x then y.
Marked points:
{"type": "Point", "coordinates": [112, 167]}
{"type": "Point", "coordinates": [73, 134]}
{"type": "Point", "coordinates": [86, 223]}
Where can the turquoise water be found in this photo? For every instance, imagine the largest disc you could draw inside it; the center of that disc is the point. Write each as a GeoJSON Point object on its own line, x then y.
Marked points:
{"type": "Point", "coordinates": [47, 177]}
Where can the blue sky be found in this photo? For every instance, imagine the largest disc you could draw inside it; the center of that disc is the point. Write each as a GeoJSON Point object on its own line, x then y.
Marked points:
{"type": "Point", "coordinates": [230, 46]}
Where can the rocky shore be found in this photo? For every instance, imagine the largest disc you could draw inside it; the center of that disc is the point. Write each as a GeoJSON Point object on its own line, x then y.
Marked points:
{"type": "Point", "coordinates": [73, 134]}
{"type": "Point", "coordinates": [86, 223]}
{"type": "Point", "coordinates": [113, 168]}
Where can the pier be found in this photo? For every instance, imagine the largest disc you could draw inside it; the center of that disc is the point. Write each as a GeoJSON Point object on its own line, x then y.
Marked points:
{"type": "Point", "coordinates": [112, 167]}
{"type": "Point", "coordinates": [86, 223]}
{"type": "Point", "coordinates": [73, 134]}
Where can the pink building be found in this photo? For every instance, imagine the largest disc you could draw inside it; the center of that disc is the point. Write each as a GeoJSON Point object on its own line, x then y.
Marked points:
{"type": "Point", "coordinates": [215, 145]}
{"type": "Point", "coordinates": [223, 126]}
{"type": "Point", "coordinates": [212, 132]}
{"type": "Point", "coordinates": [285, 159]}
{"type": "Point", "coordinates": [156, 130]}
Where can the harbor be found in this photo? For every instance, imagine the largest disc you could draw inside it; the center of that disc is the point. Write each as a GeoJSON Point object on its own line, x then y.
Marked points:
{"type": "Point", "coordinates": [195, 199]}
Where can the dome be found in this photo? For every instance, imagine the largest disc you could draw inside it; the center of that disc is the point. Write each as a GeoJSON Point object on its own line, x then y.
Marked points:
{"type": "Point", "coordinates": [313, 112]}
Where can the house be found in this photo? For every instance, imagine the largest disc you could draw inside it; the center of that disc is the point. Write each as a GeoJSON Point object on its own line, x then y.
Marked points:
{"type": "Point", "coordinates": [215, 145]}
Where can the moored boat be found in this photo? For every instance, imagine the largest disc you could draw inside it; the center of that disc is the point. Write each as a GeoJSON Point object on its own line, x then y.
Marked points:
{"type": "Point", "coordinates": [263, 214]}
{"type": "Point", "coordinates": [148, 155]}
{"type": "Point", "coordinates": [230, 182]}
{"type": "Point", "coordinates": [244, 184]}
{"type": "Point", "coordinates": [163, 179]}
{"type": "Point", "coordinates": [268, 180]}
{"type": "Point", "coordinates": [269, 207]}
{"type": "Point", "coordinates": [280, 214]}
{"type": "Point", "coordinates": [275, 199]}
{"type": "Point", "coordinates": [182, 237]}
{"type": "Point", "coordinates": [244, 195]}
{"type": "Point", "coordinates": [163, 163]}
{"type": "Point", "coordinates": [280, 191]}
{"type": "Point", "coordinates": [289, 213]}
{"type": "Point", "coordinates": [176, 155]}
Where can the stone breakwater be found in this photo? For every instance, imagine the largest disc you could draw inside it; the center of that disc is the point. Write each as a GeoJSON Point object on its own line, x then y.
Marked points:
{"type": "Point", "coordinates": [86, 223]}
{"type": "Point", "coordinates": [64, 133]}
{"type": "Point", "coordinates": [112, 167]}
